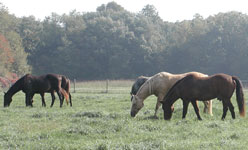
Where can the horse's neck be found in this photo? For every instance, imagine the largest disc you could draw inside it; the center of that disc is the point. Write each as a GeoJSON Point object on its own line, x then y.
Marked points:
{"type": "Point", "coordinates": [144, 92]}
{"type": "Point", "coordinates": [16, 87]}
{"type": "Point", "coordinates": [156, 83]}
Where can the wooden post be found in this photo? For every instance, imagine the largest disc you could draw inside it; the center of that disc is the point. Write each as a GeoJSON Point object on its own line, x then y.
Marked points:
{"type": "Point", "coordinates": [74, 85]}
{"type": "Point", "coordinates": [107, 82]}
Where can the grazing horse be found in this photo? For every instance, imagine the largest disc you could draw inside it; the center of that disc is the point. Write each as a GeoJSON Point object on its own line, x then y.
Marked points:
{"type": "Point", "coordinates": [36, 84]}
{"type": "Point", "coordinates": [192, 88]}
{"type": "Point", "coordinates": [65, 84]}
{"type": "Point", "coordinates": [159, 85]}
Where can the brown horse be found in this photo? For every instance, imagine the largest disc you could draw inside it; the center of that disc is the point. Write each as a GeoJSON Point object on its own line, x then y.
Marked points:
{"type": "Point", "coordinates": [36, 84]}
{"type": "Point", "coordinates": [158, 85]}
{"type": "Point", "coordinates": [192, 88]}
{"type": "Point", "coordinates": [65, 84]}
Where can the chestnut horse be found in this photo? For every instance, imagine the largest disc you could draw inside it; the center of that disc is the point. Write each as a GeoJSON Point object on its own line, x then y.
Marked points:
{"type": "Point", "coordinates": [159, 85]}
{"type": "Point", "coordinates": [30, 85]}
{"type": "Point", "coordinates": [65, 84]}
{"type": "Point", "coordinates": [193, 87]}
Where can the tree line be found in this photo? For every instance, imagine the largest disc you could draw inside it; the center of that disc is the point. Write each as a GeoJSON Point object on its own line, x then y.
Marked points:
{"type": "Point", "coordinates": [113, 43]}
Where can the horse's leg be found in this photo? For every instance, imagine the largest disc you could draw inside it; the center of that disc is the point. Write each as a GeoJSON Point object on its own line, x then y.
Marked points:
{"type": "Point", "coordinates": [31, 99]}
{"type": "Point", "coordinates": [208, 107]}
{"type": "Point", "coordinates": [28, 100]}
{"type": "Point", "coordinates": [43, 99]}
{"type": "Point", "coordinates": [205, 106]}
{"type": "Point", "coordinates": [231, 108]}
{"type": "Point", "coordinates": [60, 97]}
{"type": "Point", "coordinates": [70, 99]}
{"type": "Point", "coordinates": [210, 104]}
{"type": "Point", "coordinates": [185, 107]}
{"type": "Point", "coordinates": [225, 108]}
{"type": "Point", "coordinates": [53, 98]}
{"type": "Point", "coordinates": [194, 103]}
{"type": "Point", "coordinates": [160, 98]}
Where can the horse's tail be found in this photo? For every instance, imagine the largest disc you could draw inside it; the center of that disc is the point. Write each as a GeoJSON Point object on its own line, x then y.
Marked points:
{"type": "Point", "coordinates": [68, 84]}
{"type": "Point", "coordinates": [240, 96]}
{"type": "Point", "coordinates": [65, 95]}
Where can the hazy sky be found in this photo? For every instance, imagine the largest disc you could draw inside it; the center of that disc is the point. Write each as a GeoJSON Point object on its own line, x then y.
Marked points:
{"type": "Point", "coordinates": [169, 10]}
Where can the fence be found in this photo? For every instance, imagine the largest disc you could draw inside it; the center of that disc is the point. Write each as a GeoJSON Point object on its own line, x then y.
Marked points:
{"type": "Point", "coordinates": [108, 86]}
{"type": "Point", "coordinates": [103, 86]}
{"type": "Point", "coordinates": [113, 86]}
{"type": "Point", "coordinates": [245, 84]}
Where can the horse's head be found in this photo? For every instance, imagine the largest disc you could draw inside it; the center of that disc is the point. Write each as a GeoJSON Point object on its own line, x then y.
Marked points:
{"type": "Point", "coordinates": [167, 110]}
{"type": "Point", "coordinates": [7, 100]}
{"type": "Point", "coordinates": [137, 104]}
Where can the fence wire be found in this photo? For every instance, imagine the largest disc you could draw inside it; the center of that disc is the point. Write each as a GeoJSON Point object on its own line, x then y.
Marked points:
{"type": "Point", "coordinates": [114, 87]}
{"type": "Point", "coordinates": [108, 86]}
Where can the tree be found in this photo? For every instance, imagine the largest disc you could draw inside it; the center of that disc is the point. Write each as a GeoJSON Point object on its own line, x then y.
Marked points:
{"type": "Point", "coordinates": [12, 49]}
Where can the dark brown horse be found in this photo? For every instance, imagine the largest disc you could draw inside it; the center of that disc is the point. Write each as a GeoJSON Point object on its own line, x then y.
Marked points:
{"type": "Point", "coordinates": [192, 88]}
{"type": "Point", "coordinates": [31, 85]}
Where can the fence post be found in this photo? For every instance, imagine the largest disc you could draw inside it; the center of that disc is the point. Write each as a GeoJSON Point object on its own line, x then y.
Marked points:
{"type": "Point", "coordinates": [74, 85]}
{"type": "Point", "coordinates": [107, 82]}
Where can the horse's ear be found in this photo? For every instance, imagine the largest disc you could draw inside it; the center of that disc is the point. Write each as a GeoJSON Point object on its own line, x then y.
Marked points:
{"type": "Point", "coordinates": [131, 97]}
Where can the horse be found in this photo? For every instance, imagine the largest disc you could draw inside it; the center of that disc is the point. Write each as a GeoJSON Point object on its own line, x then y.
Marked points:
{"type": "Point", "coordinates": [30, 85]}
{"type": "Point", "coordinates": [193, 87]}
{"type": "Point", "coordinates": [159, 85]}
{"type": "Point", "coordinates": [65, 84]}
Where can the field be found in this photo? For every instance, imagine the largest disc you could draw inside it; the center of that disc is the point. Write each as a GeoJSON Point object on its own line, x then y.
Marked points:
{"type": "Point", "coordinates": [100, 120]}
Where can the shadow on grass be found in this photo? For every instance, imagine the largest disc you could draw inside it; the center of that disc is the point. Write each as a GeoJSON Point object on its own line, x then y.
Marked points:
{"type": "Point", "coordinates": [151, 118]}
{"type": "Point", "coordinates": [89, 114]}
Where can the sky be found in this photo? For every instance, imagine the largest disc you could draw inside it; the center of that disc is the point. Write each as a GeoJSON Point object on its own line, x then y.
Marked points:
{"type": "Point", "coordinates": [169, 10]}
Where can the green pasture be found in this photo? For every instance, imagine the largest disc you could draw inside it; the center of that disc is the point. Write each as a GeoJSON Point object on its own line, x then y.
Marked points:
{"type": "Point", "coordinates": [101, 121]}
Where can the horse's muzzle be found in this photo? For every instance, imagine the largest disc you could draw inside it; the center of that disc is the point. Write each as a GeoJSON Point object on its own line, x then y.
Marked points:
{"type": "Point", "coordinates": [6, 105]}
{"type": "Point", "coordinates": [133, 114]}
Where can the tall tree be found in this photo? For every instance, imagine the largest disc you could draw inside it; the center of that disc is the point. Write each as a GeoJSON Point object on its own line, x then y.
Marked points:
{"type": "Point", "coordinates": [12, 43]}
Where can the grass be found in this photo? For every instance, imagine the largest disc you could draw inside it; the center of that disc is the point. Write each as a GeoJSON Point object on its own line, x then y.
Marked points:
{"type": "Point", "coordinates": [102, 121]}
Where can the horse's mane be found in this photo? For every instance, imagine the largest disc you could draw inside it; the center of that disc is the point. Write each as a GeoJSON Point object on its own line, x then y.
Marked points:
{"type": "Point", "coordinates": [138, 83]}
{"type": "Point", "coordinates": [147, 81]}
{"type": "Point", "coordinates": [170, 92]}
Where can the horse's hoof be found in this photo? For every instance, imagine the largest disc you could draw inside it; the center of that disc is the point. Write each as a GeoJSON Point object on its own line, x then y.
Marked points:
{"type": "Point", "coordinates": [155, 117]}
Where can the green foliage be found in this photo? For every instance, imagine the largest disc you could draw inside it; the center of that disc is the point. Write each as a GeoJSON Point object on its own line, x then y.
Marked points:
{"type": "Point", "coordinates": [11, 49]}
{"type": "Point", "coordinates": [113, 43]}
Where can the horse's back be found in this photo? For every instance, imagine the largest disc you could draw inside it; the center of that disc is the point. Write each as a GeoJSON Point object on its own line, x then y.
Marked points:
{"type": "Point", "coordinates": [198, 74]}
{"type": "Point", "coordinates": [43, 83]}
{"type": "Point", "coordinates": [210, 87]}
